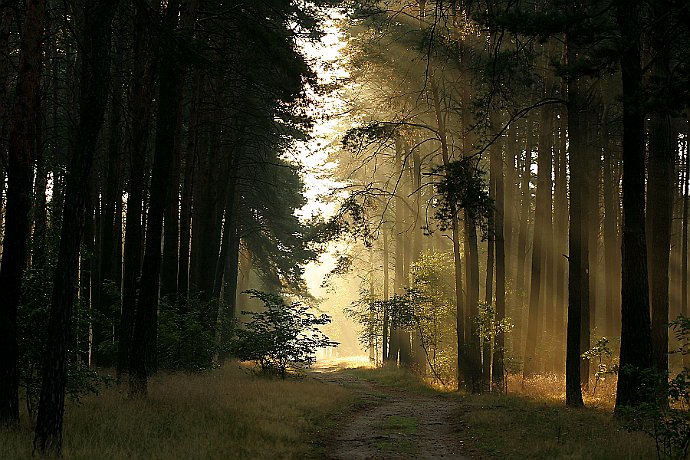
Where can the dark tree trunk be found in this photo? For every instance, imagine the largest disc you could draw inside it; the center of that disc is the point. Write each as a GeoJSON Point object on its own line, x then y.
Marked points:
{"type": "Point", "coordinates": [187, 192]}
{"type": "Point", "coordinates": [496, 166]}
{"type": "Point", "coordinates": [110, 237]}
{"type": "Point", "coordinates": [95, 72]}
{"type": "Point", "coordinates": [660, 185]}
{"type": "Point", "coordinates": [144, 335]}
{"type": "Point", "coordinates": [660, 210]}
{"type": "Point", "coordinates": [170, 264]}
{"type": "Point", "coordinates": [636, 343]}
{"type": "Point", "coordinates": [20, 181]}
{"type": "Point", "coordinates": [577, 276]}
{"type": "Point", "coordinates": [174, 218]}
{"type": "Point", "coordinates": [561, 246]}
{"type": "Point", "coordinates": [140, 104]}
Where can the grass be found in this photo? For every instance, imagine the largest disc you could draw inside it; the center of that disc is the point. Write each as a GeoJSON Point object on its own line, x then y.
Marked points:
{"type": "Point", "coordinates": [532, 421]}
{"type": "Point", "coordinates": [228, 413]}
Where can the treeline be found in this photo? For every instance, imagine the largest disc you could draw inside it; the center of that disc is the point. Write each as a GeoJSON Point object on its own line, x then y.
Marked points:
{"type": "Point", "coordinates": [145, 161]}
{"type": "Point", "coordinates": [572, 118]}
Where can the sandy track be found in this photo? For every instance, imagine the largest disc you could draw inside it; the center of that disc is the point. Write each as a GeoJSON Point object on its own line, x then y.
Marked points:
{"type": "Point", "coordinates": [395, 424]}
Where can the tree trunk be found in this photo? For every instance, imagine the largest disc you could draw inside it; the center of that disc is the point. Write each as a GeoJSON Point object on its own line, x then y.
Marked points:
{"type": "Point", "coordinates": [635, 354]}
{"type": "Point", "coordinates": [561, 245]}
{"type": "Point", "coordinates": [457, 254]}
{"type": "Point", "coordinates": [95, 72]}
{"type": "Point", "coordinates": [144, 335]}
{"type": "Point", "coordinates": [187, 192]}
{"type": "Point", "coordinates": [660, 184]}
{"type": "Point", "coordinates": [611, 241]}
{"type": "Point", "coordinates": [386, 322]}
{"type": "Point", "coordinates": [496, 167]}
{"type": "Point", "coordinates": [542, 226]}
{"type": "Point", "coordinates": [140, 103]}
{"type": "Point", "coordinates": [19, 188]}
{"type": "Point", "coordinates": [577, 260]}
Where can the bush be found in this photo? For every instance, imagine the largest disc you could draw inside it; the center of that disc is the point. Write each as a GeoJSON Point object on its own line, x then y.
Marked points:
{"type": "Point", "coordinates": [185, 341]}
{"type": "Point", "coordinates": [282, 336]}
{"type": "Point", "coordinates": [32, 325]}
{"type": "Point", "coordinates": [664, 416]}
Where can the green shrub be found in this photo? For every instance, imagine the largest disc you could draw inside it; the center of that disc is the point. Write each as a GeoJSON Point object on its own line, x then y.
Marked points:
{"type": "Point", "coordinates": [185, 340]}
{"type": "Point", "coordinates": [280, 337]}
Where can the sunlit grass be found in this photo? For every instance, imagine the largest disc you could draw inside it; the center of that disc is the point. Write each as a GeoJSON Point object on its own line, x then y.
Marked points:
{"type": "Point", "coordinates": [532, 420]}
{"type": "Point", "coordinates": [228, 413]}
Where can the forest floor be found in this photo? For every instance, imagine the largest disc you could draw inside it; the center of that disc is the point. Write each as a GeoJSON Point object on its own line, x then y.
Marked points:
{"type": "Point", "coordinates": [395, 415]}
{"type": "Point", "coordinates": [394, 423]}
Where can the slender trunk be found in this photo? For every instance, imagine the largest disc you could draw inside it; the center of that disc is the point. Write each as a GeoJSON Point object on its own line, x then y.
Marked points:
{"type": "Point", "coordinates": [561, 244]}
{"type": "Point", "coordinates": [109, 231]}
{"type": "Point", "coordinates": [144, 335]}
{"type": "Point", "coordinates": [611, 242]}
{"type": "Point", "coordinates": [496, 167]}
{"type": "Point", "coordinates": [95, 72]}
{"type": "Point", "coordinates": [140, 104]}
{"type": "Point", "coordinates": [187, 192]}
{"type": "Point", "coordinates": [457, 254]}
{"type": "Point", "coordinates": [171, 229]}
{"type": "Point", "coordinates": [386, 295]}
{"type": "Point", "coordinates": [542, 225]}
{"type": "Point", "coordinates": [577, 276]}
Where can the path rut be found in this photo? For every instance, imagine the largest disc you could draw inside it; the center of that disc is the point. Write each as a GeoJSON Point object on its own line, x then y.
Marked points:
{"type": "Point", "coordinates": [396, 424]}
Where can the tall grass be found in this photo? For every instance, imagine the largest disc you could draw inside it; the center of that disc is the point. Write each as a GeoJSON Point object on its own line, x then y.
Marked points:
{"type": "Point", "coordinates": [228, 413]}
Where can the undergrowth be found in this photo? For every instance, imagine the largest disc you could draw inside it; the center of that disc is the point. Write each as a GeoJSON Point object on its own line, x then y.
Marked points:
{"type": "Point", "coordinates": [227, 413]}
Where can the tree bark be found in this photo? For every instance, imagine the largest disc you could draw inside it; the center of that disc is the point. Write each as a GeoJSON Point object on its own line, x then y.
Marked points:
{"type": "Point", "coordinates": [140, 103]}
{"type": "Point", "coordinates": [635, 354]}
{"type": "Point", "coordinates": [95, 79]}
{"type": "Point", "coordinates": [19, 190]}
{"type": "Point", "coordinates": [144, 336]}
{"type": "Point", "coordinates": [577, 260]}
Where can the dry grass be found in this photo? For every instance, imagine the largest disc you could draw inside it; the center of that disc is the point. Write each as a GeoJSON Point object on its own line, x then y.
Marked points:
{"type": "Point", "coordinates": [229, 413]}
{"type": "Point", "coordinates": [533, 422]}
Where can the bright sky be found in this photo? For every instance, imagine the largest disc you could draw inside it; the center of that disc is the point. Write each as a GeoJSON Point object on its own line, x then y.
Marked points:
{"type": "Point", "coordinates": [331, 122]}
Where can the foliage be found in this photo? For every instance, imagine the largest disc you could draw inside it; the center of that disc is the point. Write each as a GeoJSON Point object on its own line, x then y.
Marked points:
{"type": "Point", "coordinates": [664, 413]}
{"type": "Point", "coordinates": [603, 356]}
{"type": "Point", "coordinates": [488, 327]}
{"type": "Point", "coordinates": [369, 313]}
{"type": "Point", "coordinates": [32, 324]}
{"type": "Point", "coordinates": [462, 186]}
{"type": "Point", "coordinates": [280, 337]}
{"type": "Point", "coordinates": [426, 308]}
{"type": "Point", "coordinates": [185, 342]}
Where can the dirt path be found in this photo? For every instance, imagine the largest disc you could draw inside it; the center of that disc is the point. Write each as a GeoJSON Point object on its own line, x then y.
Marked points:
{"type": "Point", "coordinates": [395, 424]}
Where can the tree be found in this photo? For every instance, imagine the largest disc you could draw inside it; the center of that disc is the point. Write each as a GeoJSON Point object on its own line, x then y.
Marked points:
{"type": "Point", "coordinates": [19, 191]}
{"type": "Point", "coordinates": [635, 354]}
{"type": "Point", "coordinates": [94, 81]}
{"type": "Point", "coordinates": [282, 336]}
